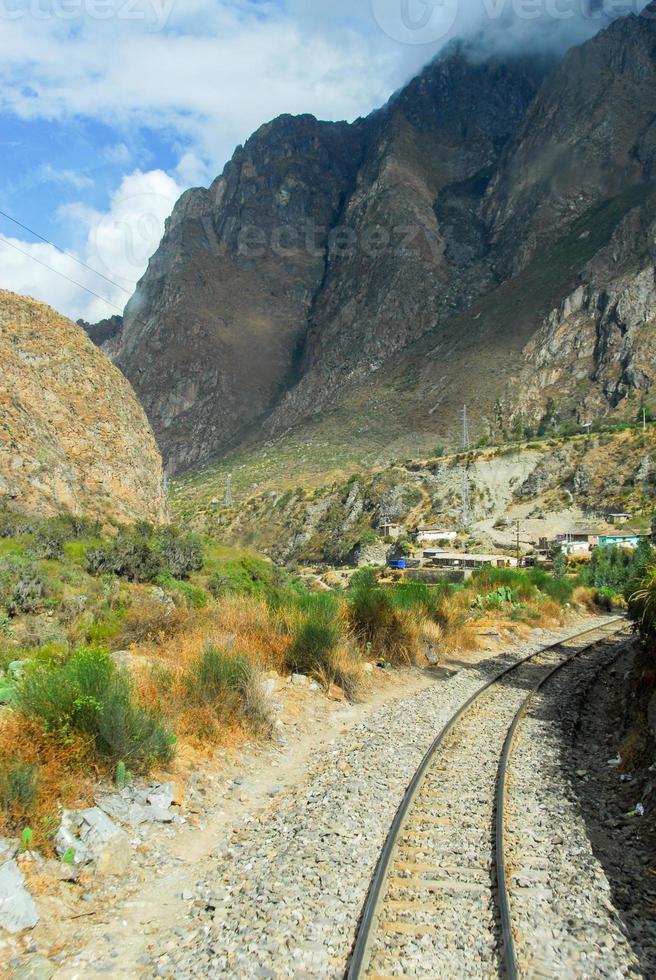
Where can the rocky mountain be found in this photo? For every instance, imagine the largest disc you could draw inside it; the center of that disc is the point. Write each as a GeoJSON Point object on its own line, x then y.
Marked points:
{"type": "Point", "coordinates": [72, 435]}
{"type": "Point", "coordinates": [487, 237]}
{"type": "Point", "coordinates": [103, 332]}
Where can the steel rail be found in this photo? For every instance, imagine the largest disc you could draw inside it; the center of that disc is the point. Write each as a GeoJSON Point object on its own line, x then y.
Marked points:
{"type": "Point", "coordinates": [511, 965]}
{"type": "Point", "coordinates": [375, 896]}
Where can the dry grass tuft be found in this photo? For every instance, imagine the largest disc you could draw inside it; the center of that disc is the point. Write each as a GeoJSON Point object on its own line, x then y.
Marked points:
{"type": "Point", "coordinates": [148, 619]}
{"type": "Point", "coordinates": [583, 597]}
{"type": "Point", "coordinates": [345, 669]}
{"type": "Point", "coordinates": [61, 775]}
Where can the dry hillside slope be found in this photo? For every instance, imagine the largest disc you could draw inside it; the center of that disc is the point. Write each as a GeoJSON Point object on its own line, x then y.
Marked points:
{"type": "Point", "coordinates": [72, 434]}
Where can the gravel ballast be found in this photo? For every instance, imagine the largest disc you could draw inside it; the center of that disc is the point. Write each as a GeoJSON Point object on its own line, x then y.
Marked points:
{"type": "Point", "coordinates": [282, 897]}
{"type": "Point", "coordinates": [564, 921]}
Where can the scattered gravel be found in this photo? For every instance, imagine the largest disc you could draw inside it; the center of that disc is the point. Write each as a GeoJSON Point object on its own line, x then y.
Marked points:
{"type": "Point", "coordinates": [283, 896]}
{"type": "Point", "coordinates": [565, 923]}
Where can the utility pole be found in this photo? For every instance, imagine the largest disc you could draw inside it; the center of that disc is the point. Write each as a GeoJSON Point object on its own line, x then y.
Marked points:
{"type": "Point", "coordinates": [466, 439]}
{"type": "Point", "coordinates": [227, 496]}
{"type": "Point", "coordinates": [588, 428]}
{"type": "Point", "coordinates": [519, 550]}
{"type": "Point", "coordinates": [466, 492]}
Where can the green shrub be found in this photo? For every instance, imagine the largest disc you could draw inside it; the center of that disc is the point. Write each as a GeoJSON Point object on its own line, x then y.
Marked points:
{"type": "Point", "coordinates": [66, 696]}
{"type": "Point", "coordinates": [617, 569]}
{"type": "Point", "coordinates": [124, 730]}
{"type": "Point", "coordinates": [130, 557]}
{"type": "Point", "coordinates": [141, 554]}
{"type": "Point", "coordinates": [181, 554]}
{"type": "Point", "coordinates": [13, 525]}
{"type": "Point", "coordinates": [22, 588]}
{"type": "Point", "coordinates": [193, 596]}
{"type": "Point", "coordinates": [219, 585]}
{"type": "Point", "coordinates": [214, 675]}
{"type": "Point", "coordinates": [87, 695]}
{"type": "Point", "coordinates": [49, 544]}
{"type": "Point", "coordinates": [28, 595]}
{"type": "Point", "coordinates": [316, 635]}
{"type": "Point", "coordinates": [367, 538]}
{"type": "Point", "coordinates": [642, 603]}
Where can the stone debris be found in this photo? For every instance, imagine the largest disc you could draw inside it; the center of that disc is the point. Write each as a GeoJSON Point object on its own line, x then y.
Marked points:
{"type": "Point", "coordinates": [133, 807]}
{"type": "Point", "coordinates": [35, 968]}
{"type": "Point", "coordinates": [17, 908]}
{"type": "Point", "coordinates": [93, 837]}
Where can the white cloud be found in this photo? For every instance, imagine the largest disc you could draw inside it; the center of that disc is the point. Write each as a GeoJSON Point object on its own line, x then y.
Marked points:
{"type": "Point", "coordinates": [119, 243]}
{"type": "Point", "coordinates": [117, 153]}
{"type": "Point", "coordinates": [191, 171]}
{"type": "Point", "coordinates": [205, 74]}
{"type": "Point", "coordinates": [50, 174]}
{"type": "Point", "coordinates": [217, 72]}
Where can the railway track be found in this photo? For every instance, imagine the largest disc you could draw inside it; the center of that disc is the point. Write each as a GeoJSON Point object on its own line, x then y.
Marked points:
{"type": "Point", "coordinates": [439, 903]}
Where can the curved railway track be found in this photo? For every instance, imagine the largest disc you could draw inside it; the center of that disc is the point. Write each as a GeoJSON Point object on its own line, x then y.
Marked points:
{"type": "Point", "coordinates": [439, 903]}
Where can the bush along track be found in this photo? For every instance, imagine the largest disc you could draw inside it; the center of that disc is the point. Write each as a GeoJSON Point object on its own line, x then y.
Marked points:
{"type": "Point", "coordinates": [115, 649]}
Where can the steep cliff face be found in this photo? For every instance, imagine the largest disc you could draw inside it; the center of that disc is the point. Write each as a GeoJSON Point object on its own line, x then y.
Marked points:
{"type": "Point", "coordinates": [442, 234]}
{"type": "Point", "coordinates": [414, 252]}
{"type": "Point", "coordinates": [72, 435]}
{"type": "Point", "coordinates": [596, 351]}
{"type": "Point", "coordinates": [588, 135]}
{"type": "Point", "coordinates": [212, 336]}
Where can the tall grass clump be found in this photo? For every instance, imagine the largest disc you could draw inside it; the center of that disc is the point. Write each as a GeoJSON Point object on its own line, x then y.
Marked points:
{"type": "Point", "coordinates": [378, 624]}
{"type": "Point", "coordinates": [315, 633]}
{"type": "Point", "coordinates": [217, 689]}
{"type": "Point", "coordinates": [642, 604]}
{"type": "Point", "coordinates": [19, 783]}
{"type": "Point", "coordinates": [86, 695]}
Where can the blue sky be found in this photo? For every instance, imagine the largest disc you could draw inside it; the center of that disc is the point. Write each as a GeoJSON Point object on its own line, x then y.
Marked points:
{"type": "Point", "coordinates": [110, 108]}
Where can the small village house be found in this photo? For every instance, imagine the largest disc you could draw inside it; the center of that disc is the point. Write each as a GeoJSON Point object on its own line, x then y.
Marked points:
{"type": "Point", "coordinates": [468, 562]}
{"type": "Point", "coordinates": [578, 542]}
{"type": "Point", "coordinates": [624, 539]}
{"type": "Point", "coordinates": [389, 530]}
{"type": "Point", "coordinates": [581, 542]}
{"type": "Point", "coordinates": [433, 534]}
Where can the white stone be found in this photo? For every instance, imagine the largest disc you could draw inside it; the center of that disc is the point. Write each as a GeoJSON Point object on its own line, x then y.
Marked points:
{"type": "Point", "coordinates": [17, 908]}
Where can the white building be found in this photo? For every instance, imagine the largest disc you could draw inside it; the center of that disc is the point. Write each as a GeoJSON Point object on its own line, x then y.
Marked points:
{"type": "Point", "coordinates": [433, 535]}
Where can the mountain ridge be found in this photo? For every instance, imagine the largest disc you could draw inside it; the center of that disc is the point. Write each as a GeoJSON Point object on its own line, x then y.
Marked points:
{"type": "Point", "coordinates": [323, 254]}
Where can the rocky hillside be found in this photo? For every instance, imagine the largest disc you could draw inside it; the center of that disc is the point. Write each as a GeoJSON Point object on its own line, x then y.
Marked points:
{"type": "Point", "coordinates": [72, 434]}
{"type": "Point", "coordinates": [549, 485]}
{"type": "Point", "coordinates": [488, 236]}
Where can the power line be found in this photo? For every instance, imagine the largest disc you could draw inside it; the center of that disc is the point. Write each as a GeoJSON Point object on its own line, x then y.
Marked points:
{"type": "Point", "coordinates": [64, 252]}
{"type": "Point", "coordinates": [62, 274]}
